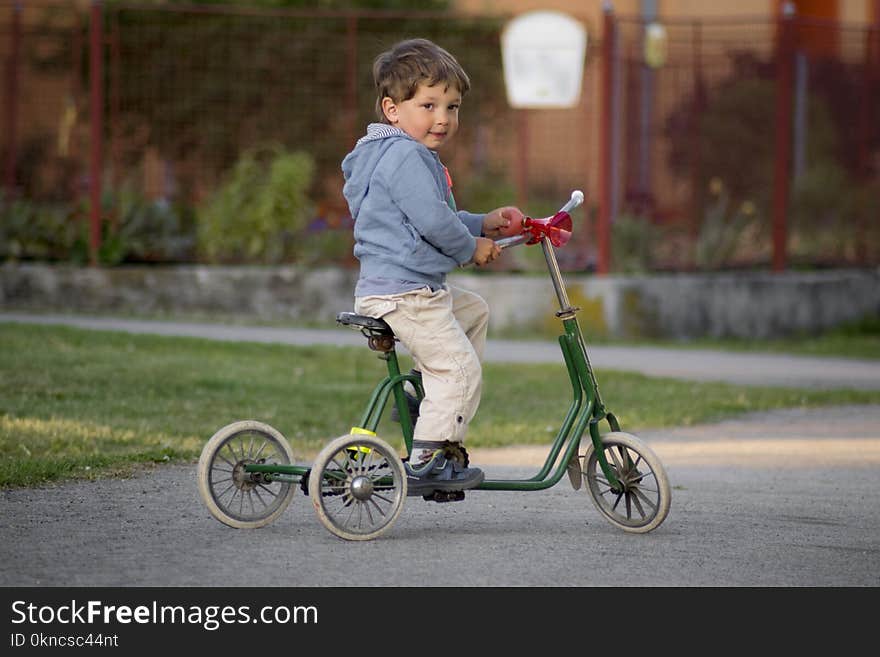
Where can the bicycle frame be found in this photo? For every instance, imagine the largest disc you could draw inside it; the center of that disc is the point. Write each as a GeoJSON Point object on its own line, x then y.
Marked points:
{"type": "Point", "coordinates": [584, 414]}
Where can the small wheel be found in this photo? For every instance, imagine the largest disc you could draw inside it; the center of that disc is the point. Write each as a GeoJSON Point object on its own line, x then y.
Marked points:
{"type": "Point", "coordinates": [357, 485]}
{"type": "Point", "coordinates": [642, 502]}
{"type": "Point", "coordinates": [234, 497]}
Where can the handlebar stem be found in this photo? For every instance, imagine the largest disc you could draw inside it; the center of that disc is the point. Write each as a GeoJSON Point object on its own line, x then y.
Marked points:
{"type": "Point", "coordinates": [556, 277]}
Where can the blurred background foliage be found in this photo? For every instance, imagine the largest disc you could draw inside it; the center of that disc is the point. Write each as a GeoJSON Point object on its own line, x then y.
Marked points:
{"type": "Point", "coordinates": [193, 96]}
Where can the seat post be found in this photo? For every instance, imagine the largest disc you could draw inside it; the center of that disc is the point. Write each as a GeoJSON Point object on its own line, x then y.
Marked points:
{"type": "Point", "coordinates": [393, 365]}
{"type": "Point", "coordinates": [380, 338]}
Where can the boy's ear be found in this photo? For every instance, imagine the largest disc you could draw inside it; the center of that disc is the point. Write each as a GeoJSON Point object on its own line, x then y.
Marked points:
{"type": "Point", "coordinates": [389, 109]}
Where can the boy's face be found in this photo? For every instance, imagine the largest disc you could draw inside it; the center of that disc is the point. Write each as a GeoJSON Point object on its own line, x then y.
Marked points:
{"type": "Point", "coordinates": [430, 116]}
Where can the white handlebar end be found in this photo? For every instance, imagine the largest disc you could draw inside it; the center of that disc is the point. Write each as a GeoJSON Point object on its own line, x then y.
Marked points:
{"type": "Point", "coordinates": [577, 197]}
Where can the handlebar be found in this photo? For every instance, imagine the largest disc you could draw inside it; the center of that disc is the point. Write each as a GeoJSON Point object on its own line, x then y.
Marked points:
{"type": "Point", "coordinates": [557, 228]}
{"type": "Point", "coordinates": [515, 240]}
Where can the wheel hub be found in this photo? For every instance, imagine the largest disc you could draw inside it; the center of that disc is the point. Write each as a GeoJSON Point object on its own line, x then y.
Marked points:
{"type": "Point", "coordinates": [240, 478]}
{"type": "Point", "coordinates": [361, 488]}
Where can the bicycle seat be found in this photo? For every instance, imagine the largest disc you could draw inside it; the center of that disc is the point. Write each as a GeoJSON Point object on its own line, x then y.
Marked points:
{"type": "Point", "coordinates": [371, 324]}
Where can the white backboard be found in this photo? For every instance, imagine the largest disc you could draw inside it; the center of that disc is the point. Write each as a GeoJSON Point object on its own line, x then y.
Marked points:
{"type": "Point", "coordinates": [543, 57]}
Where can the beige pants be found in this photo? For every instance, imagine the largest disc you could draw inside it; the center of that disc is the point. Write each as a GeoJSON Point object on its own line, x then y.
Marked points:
{"type": "Point", "coordinates": [445, 331]}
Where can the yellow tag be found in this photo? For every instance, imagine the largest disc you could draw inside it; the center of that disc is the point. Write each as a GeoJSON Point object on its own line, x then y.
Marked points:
{"type": "Point", "coordinates": [358, 431]}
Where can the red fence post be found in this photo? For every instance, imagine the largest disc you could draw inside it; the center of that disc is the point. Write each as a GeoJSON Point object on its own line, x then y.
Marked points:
{"type": "Point", "coordinates": [783, 127]}
{"type": "Point", "coordinates": [698, 191]}
{"type": "Point", "coordinates": [351, 87]}
{"type": "Point", "coordinates": [606, 136]}
{"type": "Point", "coordinates": [96, 121]}
{"type": "Point", "coordinates": [12, 65]}
{"type": "Point", "coordinates": [868, 109]}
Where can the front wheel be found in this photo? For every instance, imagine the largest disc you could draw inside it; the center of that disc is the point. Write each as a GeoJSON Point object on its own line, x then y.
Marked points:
{"type": "Point", "coordinates": [235, 497]}
{"type": "Point", "coordinates": [358, 486]}
{"type": "Point", "coordinates": [640, 501]}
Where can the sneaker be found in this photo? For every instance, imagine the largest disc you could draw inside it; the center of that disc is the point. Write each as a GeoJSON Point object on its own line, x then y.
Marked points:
{"type": "Point", "coordinates": [442, 472]}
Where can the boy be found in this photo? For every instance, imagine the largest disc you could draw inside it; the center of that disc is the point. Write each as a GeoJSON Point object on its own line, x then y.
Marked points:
{"type": "Point", "coordinates": [408, 236]}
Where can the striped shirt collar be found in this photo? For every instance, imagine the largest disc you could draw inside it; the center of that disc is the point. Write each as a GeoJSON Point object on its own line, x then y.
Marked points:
{"type": "Point", "coordinates": [376, 131]}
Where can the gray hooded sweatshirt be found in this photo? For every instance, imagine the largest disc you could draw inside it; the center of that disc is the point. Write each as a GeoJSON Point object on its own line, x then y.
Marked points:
{"type": "Point", "coordinates": [407, 234]}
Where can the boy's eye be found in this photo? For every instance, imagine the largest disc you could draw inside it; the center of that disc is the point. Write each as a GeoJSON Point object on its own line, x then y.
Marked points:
{"type": "Point", "coordinates": [428, 106]}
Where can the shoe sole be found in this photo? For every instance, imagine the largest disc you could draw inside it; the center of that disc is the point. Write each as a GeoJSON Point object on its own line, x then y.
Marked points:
{"type": "Point", "coordinates": [417, 488]}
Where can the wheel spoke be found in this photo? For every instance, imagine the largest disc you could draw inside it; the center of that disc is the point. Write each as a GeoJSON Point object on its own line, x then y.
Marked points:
{"type": "Point", "coordinates": [381, 497]}
{"type": "Point", "coordinates": [223, 492]}
{"type": "Point", "coordinates": [260, 451]}
{"type": "Point", "coordinates": [351, 466]}
{"type": "Point", "coordinates": [647, 500]}
{"type": "Point", "coordinates": [377, 472]}
{"type": "Point", "coordinates": [225, 460]}
{"type": "Point", "coordinates": [271, 492]}
{"type": "Point", "coordinates": [228, 476]}
{"type": "Point", "coordinates": [634, 495]}
{"type": "Point", "coordinates": [256, 492]}
{"type": "Point", "coordinates": [638, 460]}
{"type": "Point", "coordinates": [378, 508]}
{"type": "Point", "coordinates": [350, 514]}
{"type": "Point", "coordinates": [332, 487]}
{"type": "Point", "coordinates": [614, 458]}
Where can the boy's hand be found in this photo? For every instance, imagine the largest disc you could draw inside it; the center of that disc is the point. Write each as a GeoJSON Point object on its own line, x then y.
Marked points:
{"type": "Point", "coordinates": [486, 251]}
{"type": "Point", "coordinates": [503, 222]}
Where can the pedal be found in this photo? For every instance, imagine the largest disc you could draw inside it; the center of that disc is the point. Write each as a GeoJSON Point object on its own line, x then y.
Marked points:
{"type": "Point", "coordinates": [444, 496]}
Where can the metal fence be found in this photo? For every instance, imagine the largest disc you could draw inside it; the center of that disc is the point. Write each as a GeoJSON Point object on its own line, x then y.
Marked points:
{"type": "Point", "coordinates": [754, 143]}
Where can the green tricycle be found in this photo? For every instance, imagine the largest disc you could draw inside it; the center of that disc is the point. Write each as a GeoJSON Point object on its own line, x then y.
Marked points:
{"type": "Point", "coordinates": [357, 483]}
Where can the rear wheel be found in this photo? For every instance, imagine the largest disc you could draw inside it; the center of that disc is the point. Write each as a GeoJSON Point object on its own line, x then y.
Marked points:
{"type": "Point", "coordinates": [640, 500]}
{"type": "Point", "coordinates": [235, 497]}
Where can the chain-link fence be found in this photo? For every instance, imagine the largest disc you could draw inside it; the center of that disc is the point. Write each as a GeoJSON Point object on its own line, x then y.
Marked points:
{"type": "Point", "coordinates": [216, 134]}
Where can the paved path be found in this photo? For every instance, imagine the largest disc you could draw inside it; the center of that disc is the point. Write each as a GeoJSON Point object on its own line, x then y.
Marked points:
{"type": "Point", "coordinates": [694, 364]}
{"type": "Point", "coordinates": [787, 498]}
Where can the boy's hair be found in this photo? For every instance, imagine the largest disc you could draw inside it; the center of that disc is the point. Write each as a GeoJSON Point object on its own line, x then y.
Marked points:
{"type": "Point", "coordinates": [398, 72]}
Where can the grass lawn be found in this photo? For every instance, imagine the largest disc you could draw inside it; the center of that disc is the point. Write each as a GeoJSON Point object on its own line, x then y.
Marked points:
{"type": "Point", "coordinates": [79, 403]}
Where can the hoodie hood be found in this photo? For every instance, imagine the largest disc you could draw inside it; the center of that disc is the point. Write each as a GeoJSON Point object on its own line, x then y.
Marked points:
{"type": "Point", "coordinates": [358, 166]}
